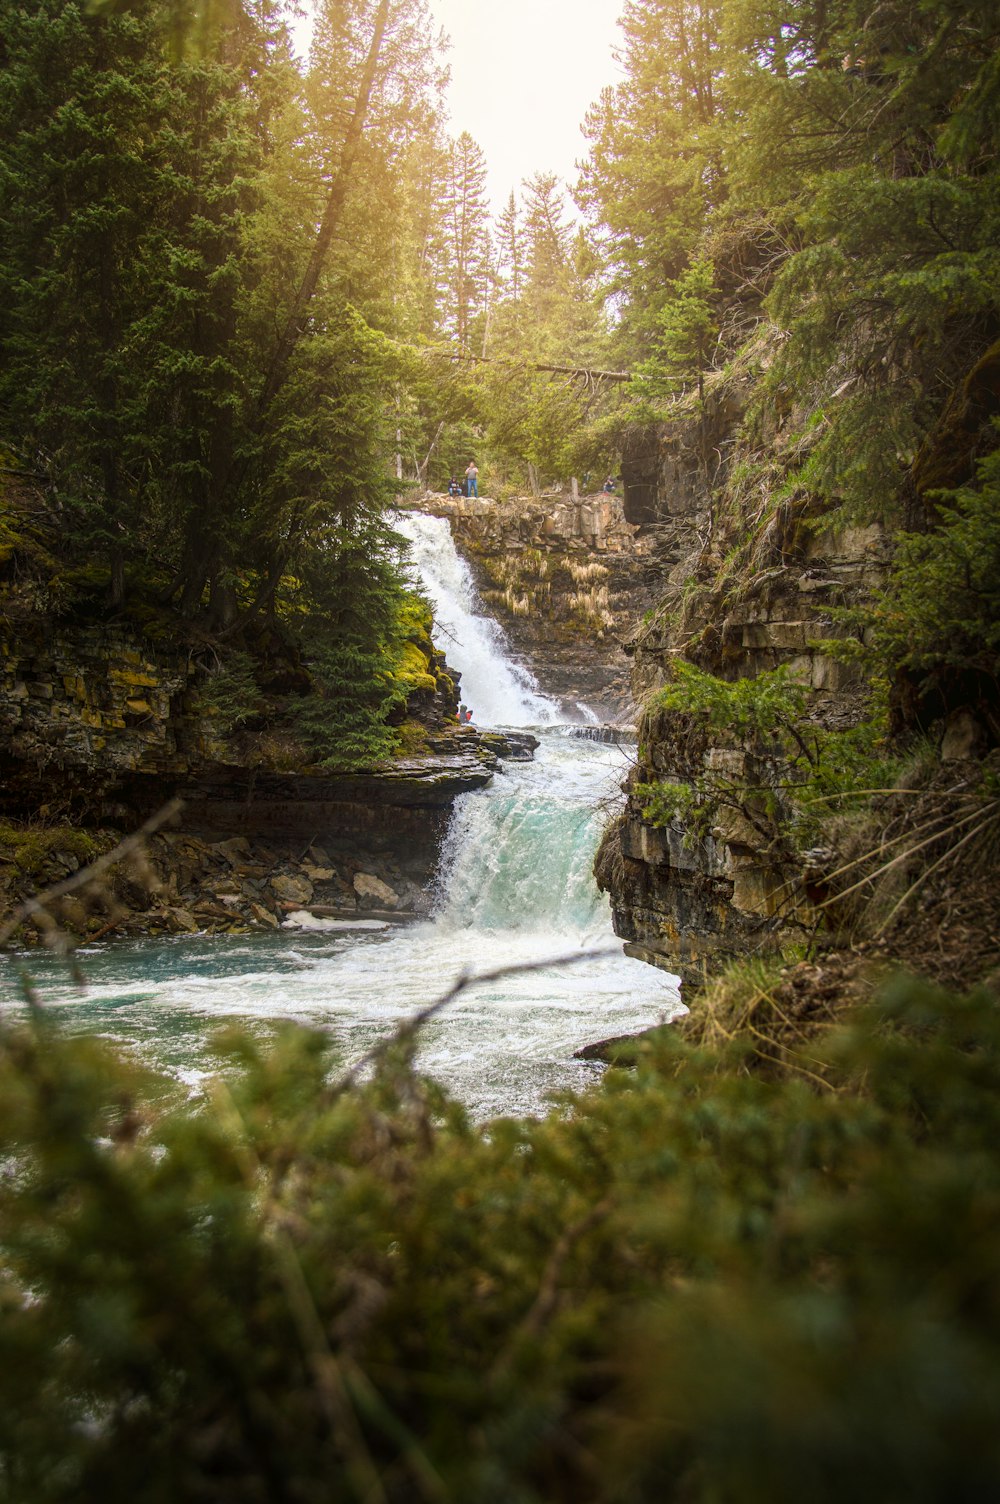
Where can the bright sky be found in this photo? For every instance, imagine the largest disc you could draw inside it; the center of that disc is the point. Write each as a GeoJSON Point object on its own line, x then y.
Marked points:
{"type": "Point", "coordinates": [523, 75]}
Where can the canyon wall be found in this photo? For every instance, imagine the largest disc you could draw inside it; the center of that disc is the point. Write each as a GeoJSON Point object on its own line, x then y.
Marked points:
{"type": "Point", "coordinates": [738, 594]}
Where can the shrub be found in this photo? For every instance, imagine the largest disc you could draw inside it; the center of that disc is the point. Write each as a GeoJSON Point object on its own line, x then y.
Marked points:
{"type": "Point", "coordinates": [692, 1284]}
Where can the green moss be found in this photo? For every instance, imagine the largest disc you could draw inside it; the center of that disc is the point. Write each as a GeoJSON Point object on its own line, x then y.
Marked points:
{"type": "Point", "coordinates": [412, 739]}
{"type": "Point", "coordinates": [30, 848]}
{"type": "Point", "coordinates": [411, 672]}
{"type": "Point", "coordinates": [416, 619]}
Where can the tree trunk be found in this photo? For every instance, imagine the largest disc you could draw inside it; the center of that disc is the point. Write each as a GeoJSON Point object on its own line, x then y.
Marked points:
{"type": "Point", "coordinates": [295, 322]}
{"type": "Point", "coordinates": [116, 588]}
{"type": "Point", "coordinates": [422, 469]}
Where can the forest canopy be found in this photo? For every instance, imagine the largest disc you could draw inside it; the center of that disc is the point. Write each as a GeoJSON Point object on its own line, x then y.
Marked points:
{"type": "Point", "coordinates": [246, 298]}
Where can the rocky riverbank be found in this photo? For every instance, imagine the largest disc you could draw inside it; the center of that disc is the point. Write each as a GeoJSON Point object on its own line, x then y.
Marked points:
{"type": "Point", "coordinates": [354, 847]}
{"type": "Point", "coordinates": [181, 883]}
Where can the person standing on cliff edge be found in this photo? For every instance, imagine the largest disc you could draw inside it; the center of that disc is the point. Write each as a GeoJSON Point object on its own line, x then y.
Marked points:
{"type": "Point", "coordinates": [472, 479]}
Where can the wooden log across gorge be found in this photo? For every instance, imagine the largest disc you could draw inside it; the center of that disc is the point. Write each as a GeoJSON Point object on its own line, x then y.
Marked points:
{"type": "Point", "coordinates": [589, 374]}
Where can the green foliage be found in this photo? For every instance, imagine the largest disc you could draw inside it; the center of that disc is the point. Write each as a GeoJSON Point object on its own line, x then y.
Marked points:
{"type": "Point", "coordinates": [789, 775]}
{"type": "Point", "coordinates": [941, 611]}
{"type": "Point", "coordinates": [687, 330]}
{"type": "Point", "coordinates": [162, 217]}
{"type": "Point", "coordinates": [663, 802]}
{"type": "Point", "coordinates": [655, 168]}
{"type": "Point", "coordinates": [366, 654]}
{"type": "Point", "coordinates": [763, 706]}
{"type": "Point", "coordinates": [889, 289]}
{"type": "Point", "coordinates": [343, 722]}
{"type": "Point", "coordinates": [231, 693]}
{"type": "Point", "coordinates": [691, 1284]}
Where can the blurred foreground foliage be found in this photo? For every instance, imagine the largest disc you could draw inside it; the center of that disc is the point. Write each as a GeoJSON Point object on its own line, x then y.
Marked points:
{"type": "Point", "coordinates": [690, 1284]}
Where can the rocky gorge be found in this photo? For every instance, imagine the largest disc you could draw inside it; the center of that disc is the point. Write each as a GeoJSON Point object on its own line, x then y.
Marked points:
{"type": "Point", "coordinates": [602, 594]}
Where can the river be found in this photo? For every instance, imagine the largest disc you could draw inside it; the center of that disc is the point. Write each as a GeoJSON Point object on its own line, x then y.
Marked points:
{"type": "Point", "coordinates": [514, 886]}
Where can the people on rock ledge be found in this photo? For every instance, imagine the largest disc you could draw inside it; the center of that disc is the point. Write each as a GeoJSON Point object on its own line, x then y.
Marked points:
{"type": "Point", "coordinates": [469, 485]}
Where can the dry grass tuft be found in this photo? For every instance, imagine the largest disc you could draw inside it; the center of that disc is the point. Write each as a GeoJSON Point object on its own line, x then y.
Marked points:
{"type": "Point", "coordinates": [776, 1014]}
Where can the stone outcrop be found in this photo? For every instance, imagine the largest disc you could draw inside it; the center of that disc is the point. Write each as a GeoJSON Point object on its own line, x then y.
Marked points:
{"type": "Point", "coordinates": [738, 595]}
{"type": "Point", "coordinates": [684, 901]}
{"type": "Point", "coordinates": [567, 578]}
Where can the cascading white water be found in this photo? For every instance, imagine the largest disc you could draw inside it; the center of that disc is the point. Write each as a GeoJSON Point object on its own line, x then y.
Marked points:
{"type": "Point", "coordinates": [519, 858]}
{"type": "Point", "coordinates": [499, 691]}
{"type": "Point", "coordinates": [515, 887]}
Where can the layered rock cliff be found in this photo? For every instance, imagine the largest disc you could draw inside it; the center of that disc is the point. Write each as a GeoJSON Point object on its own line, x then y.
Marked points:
{"type": "Point", "coordinates": [100, 726]}
{"type": "Point", "coordinates": [748, 584]}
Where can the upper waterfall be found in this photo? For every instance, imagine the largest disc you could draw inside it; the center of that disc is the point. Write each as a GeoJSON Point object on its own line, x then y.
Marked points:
{"type": "Point", "coordinates": [499, 691]}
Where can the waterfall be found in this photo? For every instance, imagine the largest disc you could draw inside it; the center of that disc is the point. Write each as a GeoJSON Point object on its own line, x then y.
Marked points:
{"type": "Point", "coordinates": [518, 856]}
{"type": "Point", "coordinates": [515, 887]}
{"type": "Point", "coordinates": [499, 691]}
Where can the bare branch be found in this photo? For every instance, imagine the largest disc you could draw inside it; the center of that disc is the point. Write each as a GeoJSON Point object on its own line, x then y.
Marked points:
{"type": "Point", "coordinates": [416, 1021]}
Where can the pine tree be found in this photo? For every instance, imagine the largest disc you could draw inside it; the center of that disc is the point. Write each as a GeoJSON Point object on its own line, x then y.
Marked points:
{"type": "Point", "coordinates": [467, 216]}
{"type": "Point", "coordinates": [872, 155]}
{"type": "Point", "coordinates": [81, 189]}
{"type": "Point", "coordinates": [511, 251]}
{"type": "Point", "coordinates": [655, 168]}
{"type": "Point", "coordinates": [688, 327]}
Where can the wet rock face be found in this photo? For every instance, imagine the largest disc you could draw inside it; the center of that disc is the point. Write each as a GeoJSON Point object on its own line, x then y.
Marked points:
{"type": "Point", "coordinates": [567, 577]}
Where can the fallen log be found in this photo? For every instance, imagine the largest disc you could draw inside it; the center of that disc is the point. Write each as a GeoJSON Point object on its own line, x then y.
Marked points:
{"type": "Point", "coordinates": [331, 911]}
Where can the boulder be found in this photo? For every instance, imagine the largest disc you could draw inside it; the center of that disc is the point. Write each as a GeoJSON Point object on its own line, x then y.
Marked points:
{"type": "Point", "coordinates": [235, 850]}
{"type": "Point", "coordinates": [292, 889]}
{"type": "Point", "coordinates": [263, 916]}
{"type": "Point", "coordinates": [71, 913]}
{"type": "Point", "coordinates": [963, 737]}
{"type": "Point", "coordinates": [374, 892]}
{"type": "Point", "coordinates": [182, 919]}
